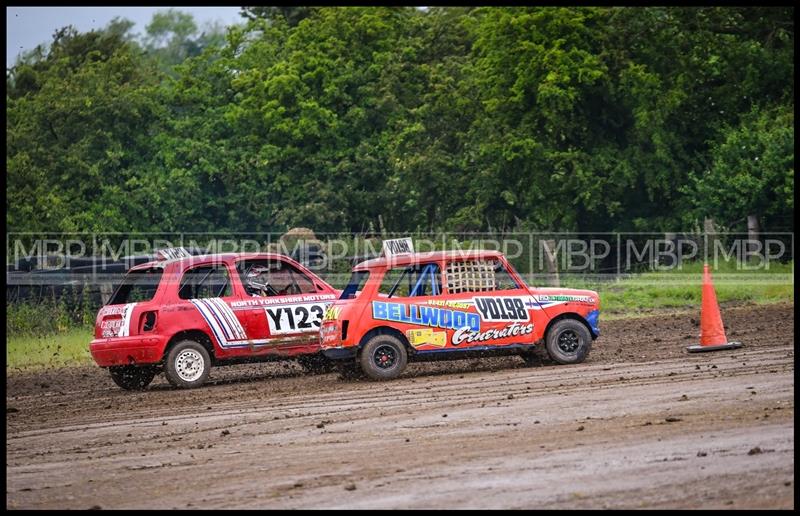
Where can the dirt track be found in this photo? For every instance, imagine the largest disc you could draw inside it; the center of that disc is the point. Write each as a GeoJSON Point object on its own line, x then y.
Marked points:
{"type": "Point", "coordinates": [640, 424]}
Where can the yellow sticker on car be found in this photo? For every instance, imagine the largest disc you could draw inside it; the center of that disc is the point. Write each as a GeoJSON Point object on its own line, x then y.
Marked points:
{"type": "Point", "coordinates": [332, 313]}
{"type": "Point", "coordinates": [427, 337]}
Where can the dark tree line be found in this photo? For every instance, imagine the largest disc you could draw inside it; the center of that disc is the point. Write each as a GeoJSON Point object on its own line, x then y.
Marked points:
{"type": "Point", "coordinates": [344, 119]}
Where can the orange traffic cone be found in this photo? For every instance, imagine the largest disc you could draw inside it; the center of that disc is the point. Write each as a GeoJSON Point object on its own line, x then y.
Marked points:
{"type": "Point", "coordinates": [712, 333]}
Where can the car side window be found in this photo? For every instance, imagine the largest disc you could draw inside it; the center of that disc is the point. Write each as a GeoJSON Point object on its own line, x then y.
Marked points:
{"type": "Point", "coordinates": [273, 278]}
{"type": "Point", "coordinates": [205, 281]}
{"type": "Point", "coordinates": [502, 278]}
{"type": "Point", "coordinates": [478, 276]}
{"type": "Point", "coordinates": [412, 281]}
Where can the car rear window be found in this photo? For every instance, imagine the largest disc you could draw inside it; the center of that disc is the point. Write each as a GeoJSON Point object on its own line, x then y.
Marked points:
{"type": "Point", "coordinates": [139, 285]}
{"type": "Point", "coordinates": [356, 284]}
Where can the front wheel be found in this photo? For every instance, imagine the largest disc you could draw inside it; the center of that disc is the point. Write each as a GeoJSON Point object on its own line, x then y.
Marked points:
{"type": "Point", "coordinates": [188, 365]}
{"type": "Point", "coordinates": [131, 377]}
{"type": "Point", "coordinates": [568, 342]}
{"type": "Point", "coordinates": [384, 357]}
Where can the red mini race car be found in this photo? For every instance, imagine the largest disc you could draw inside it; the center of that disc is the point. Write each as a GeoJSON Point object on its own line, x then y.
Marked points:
{"type": "Point", "coordinates": [451, 304]}
{"type": "Point", "coordinates": [185, 313]}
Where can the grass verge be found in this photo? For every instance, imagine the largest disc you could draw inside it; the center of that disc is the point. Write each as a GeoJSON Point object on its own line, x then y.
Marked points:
{"type": "Point", "coordinates": [682, 289]}
{"type": "Point", "coordinates": [69, 348]}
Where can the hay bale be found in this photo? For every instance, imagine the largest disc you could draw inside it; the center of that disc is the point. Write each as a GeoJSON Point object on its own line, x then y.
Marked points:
{"type": "Point", "coordinates": [299, 234]}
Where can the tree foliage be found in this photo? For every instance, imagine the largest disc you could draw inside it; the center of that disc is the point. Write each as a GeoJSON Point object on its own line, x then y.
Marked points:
{"type": "Point", "coordinates": [341, 119]}
{"type": "Point", "coordinates": [172, 37]}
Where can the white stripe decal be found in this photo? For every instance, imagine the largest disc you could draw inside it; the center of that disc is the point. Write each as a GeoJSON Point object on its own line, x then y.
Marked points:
{"type": "Point", "coordinates": [222, 321]}
{"type": "Point", "coordinates": [233, 321]}
{"type": "Point", "coordinates": [218, 318]}
{"type": "Point", "coordinates": [237, 332]}
{"type": "Point", "coordinates": [212, 323]}
{"type": "Point", "coordinates": [125, 329]}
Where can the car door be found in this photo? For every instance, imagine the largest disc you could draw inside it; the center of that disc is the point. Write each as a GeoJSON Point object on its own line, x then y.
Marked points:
{"type": "Point", "coordinates": [285, 305]}
{"type": "Point", "coordinates": [210, 289]}
{"type": "Point", "coordinates": [505, 307]}
{"type": "Point", "coordinates": [409, 296]}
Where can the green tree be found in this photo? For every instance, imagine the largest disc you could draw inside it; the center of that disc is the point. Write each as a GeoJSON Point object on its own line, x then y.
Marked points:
{"type": "Point", "coordinates": [172, 37]}
{"type": "Point", "coordinates": [292, 15]}
{"type": "Point", "coordinates": [751, 172]}
{"type": "Point", "coordinates": [343, 119]}
{"type": "Point", "coordinates": [75, 140]}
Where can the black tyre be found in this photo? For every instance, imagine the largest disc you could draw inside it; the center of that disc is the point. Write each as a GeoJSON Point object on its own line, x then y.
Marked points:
{"type": "Point", "coordinates": [568, 342]}
{"type": "Point", "coordinates": [316, 364]}
{"type": "Point", "coordinates": [131, 377]}
{"type": "Point", "coordinates": [383, 357]}
{"type": "Point", "coordinates": [187, 364]}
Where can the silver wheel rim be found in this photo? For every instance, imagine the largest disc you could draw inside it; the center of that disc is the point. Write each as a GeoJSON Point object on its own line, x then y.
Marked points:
{"type": "Point", "coordinates": [189, 365]}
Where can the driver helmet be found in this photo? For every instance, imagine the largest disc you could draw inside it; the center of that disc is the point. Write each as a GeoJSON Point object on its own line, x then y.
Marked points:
{"type": "Point", "coordinates": [257, 278]}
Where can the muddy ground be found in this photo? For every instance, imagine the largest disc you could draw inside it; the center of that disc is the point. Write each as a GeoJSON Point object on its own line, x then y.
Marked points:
{"type": "Point", "coordinates": [641, 423]}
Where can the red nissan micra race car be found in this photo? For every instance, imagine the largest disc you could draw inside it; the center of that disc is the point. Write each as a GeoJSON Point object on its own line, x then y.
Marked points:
{"type": "Point", "coordinates": [451, 304]}
{"type": "Point", "coordinates": [183, 314]}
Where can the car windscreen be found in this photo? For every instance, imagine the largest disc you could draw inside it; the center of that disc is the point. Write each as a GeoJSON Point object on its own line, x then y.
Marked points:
{"type": "Point", "coordinates": [413, 280]}
{"type": "Point", "coordinates": [356, 284]}
{"type": "Point", "coordinates": [139, 285]}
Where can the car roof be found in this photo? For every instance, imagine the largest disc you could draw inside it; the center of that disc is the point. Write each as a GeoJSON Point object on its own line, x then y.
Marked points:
{"type": "Point", "coordinates": [433, 256]}
{"type": "Point", "coordinates": [220, 257]}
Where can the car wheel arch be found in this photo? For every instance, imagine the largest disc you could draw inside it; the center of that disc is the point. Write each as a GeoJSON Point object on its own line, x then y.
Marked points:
{"type": "Point", "coordinates": [384, 330]}
{"type": "Point", "coordinates": [197, 335]}
{"type": "Point", "coordinates": [569, 315]}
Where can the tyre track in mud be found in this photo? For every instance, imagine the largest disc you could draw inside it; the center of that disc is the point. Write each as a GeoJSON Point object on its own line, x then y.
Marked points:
{"type": "Point", "coordinates": [490, 388]}
{"type": "Point", "coordinates": [52, 398]}
{"type": "Point", "coordinates": [311, 439]}
{"type": "Point", "coordinates": [408, 403]}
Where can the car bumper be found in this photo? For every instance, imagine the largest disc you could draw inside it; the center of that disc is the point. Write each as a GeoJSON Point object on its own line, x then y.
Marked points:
{"type": "Point", "coordinates": [340, 353]}
{"type": "Point", "coordinates": [127, 350]}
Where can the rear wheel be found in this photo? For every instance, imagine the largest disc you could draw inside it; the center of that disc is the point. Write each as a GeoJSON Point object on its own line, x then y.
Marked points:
{"type": "Point", "coordinates": [187, 365]}
{"type": "Point", "coordinates": [384, 357]}
{"type": "Point", "coordinates": [568, 342]}
{"type": "Point", "coordinates": [131, 377]}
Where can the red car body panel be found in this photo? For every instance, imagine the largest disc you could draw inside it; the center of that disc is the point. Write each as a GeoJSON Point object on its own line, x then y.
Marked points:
{"type": "Point", "coordinates": [452, 321]}
{"type": "Point", "coordinates": [238, 325]}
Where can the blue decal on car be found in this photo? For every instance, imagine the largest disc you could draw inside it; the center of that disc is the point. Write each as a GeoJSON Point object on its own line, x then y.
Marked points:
{"type": "Point", "coordinates": [592, 318]}
{"type": "Point", "coordinates": [425, 316]}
